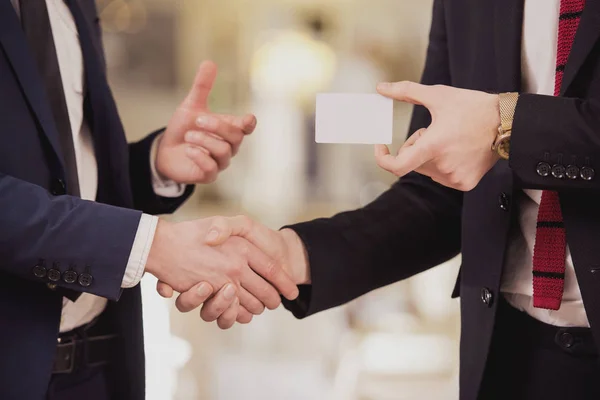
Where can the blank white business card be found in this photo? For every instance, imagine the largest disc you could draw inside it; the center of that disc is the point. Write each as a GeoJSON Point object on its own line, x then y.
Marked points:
{"type": "Point", "coordinates": [363, 118]}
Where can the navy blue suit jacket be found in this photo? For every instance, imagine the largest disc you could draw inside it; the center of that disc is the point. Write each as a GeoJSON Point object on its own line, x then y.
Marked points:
{"type": "Point", "coordinates": [39, 225]}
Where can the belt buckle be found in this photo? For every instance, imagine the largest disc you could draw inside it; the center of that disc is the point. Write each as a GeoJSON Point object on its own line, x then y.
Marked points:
{"type": "Point", "coordinates": [68, 341]}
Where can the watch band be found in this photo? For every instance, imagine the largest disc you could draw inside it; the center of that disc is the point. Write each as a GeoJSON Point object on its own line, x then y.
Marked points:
{"type": "Point", "coordinates": [508, 104]}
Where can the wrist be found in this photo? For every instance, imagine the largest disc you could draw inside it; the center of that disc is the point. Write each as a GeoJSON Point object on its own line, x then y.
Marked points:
{"type": "Point", "coordinates": [162, 241]}
{"type": "Point", "coordinates": [297, 257]}
{"type": "Point", "coordinates": [155, 158]}
{"type": "Point", "coordinates": [506, 105]}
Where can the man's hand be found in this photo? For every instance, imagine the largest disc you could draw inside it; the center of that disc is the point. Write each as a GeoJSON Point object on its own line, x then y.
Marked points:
{"type": "Point", "coordinates": [197, 144]}
{"type": "Point", "coordinates": [180, 258]}
{"type": "Point", "coordinates": [250, 240]}
{"type": "Point", "coordinates": [455, 150]}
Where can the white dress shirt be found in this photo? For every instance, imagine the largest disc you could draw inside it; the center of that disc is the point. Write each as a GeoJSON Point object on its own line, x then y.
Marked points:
{"type": "Point", "coordinates": [70, 60]}
{"type": "Point", "coordinates": [540, 37]}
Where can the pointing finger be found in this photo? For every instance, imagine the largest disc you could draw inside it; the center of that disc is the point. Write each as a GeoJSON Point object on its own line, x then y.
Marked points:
{"type": "Point", "coordinates": [203, 84]}
{"type": "Point", "coordinates": [408, 92]}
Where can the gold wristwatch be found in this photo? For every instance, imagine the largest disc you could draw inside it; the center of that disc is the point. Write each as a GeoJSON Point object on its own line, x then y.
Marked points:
{"type": "Point", "coordinates": [508, 104]}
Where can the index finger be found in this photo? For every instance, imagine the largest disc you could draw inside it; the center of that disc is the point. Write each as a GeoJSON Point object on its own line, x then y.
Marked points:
{"type": "Point", "coordinates": [408, 92]}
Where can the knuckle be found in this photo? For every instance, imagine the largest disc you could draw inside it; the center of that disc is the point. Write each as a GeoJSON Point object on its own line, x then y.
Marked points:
{"type": "Point", "coordinates": [446, 169]}
{"type": "Point", "coordinates": [212, 312]}
{"type": "Point", "coordinates": [222, 151]}
{"type": "Point", "coordinates": [273, 302]}
{"type": "Point", "coordinates": [271, 269]}
{"type": "Point", "coordinates": [236, 268]}
{"type": "Point", "coordinates": [224, 323]}
{"type": "Point", "coordinates": [247, 221]}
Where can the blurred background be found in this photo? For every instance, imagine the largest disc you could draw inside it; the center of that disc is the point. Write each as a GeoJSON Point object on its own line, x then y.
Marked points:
{"type": "Point", "coordinates": [400, 342]}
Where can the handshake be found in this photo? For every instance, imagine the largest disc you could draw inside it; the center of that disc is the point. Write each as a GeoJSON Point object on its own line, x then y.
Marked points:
{"type": "Point", "coordinates": [232, 267]}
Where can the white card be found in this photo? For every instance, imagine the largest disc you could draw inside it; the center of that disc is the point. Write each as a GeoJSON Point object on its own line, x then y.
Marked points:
{"type": "Point", "coordinates": [354, 118]}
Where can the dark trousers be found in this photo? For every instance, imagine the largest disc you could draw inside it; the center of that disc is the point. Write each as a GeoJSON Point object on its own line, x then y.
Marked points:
{"type": "Point", "coordinates": [530, 360]}
{"type": "Point", "coordinates": [89, 380]}
{"type": "Point", "coordinates": [84, 384]}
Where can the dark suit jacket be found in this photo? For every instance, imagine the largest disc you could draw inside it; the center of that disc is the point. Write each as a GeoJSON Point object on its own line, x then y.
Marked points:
{"type": "Point", "coordinates": [418, 224]}
{"type": "Point", "coordinates": [40, 226]}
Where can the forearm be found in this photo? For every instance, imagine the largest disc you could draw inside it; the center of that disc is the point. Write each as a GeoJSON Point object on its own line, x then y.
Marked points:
{"type": "Point", "coordinates": [412, 227]}
{"type": "Point", "coordinates": [64, 233]}
{"type": "Point", "coordinates": [555, 130]}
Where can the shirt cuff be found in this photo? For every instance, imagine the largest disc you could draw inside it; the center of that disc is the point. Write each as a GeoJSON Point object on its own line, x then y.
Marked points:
{"type": "Point", "coordinates": [139, 251]}
{"type": "Point", "coordinates": [162, 186]}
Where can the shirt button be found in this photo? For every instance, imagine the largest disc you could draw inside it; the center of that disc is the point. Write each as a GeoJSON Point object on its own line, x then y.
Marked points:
{"type": "Point", "coordinates": [85, 280]}
{"type": "Point", "coordinates": [39, 271]}
{"type": "Point", "coordinates": [54, 275]}
{"type": "Point", "coordinates": [70, 276]}
{"type": "Point", "coordinates": [572, 172]}
{"type": "Point", "coordinates": [487, 296]}
{"type": "Point", "coordinates": [58, 187]}
{"type": "Point", "coordinates": [543, 169]}
{"type": "Point", "coordinates": [587, 173]}
{"type": "Point", "coordinates": [504, 202]}
{"type": "Point", "coordinates": [559, 171]}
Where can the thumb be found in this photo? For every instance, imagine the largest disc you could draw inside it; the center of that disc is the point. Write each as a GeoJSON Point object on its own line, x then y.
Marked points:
{"type": "Point", "coordinates": [408, 92]}
{"type": "Point", "coordinates": [223, 228]}
{"type": "Point", "coordinates": [203, 84]}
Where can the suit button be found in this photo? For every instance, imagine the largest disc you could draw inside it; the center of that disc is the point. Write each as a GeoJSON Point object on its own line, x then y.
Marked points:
{"type": "Point", "coordinates": [565, 339]}
{"type": "Point", "coordinates": [54, 275]}
{"type": "Point", "coordinates": [58, 187]}
{"type": "Point", "coordinates": [587, 173]}
{"type": "Point", "coordinates": [85, 280]}
{"type": "Point", "coordinates": [572, 172]}
{"type": "Point", "coordinates": [558, 171]}
{"type": "Point", "coordinates": [70, 276]}
{"type": "Point", "coordinates": [543, 169]}
{"type": "Point", "coordinates": [39, 271]}
{"type": "Point", "coordinates": [487, 296]}
{"type": "Point", "coordinates": [504, 201]}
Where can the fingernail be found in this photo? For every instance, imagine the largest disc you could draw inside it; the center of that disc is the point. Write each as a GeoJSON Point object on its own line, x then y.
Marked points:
{"type": "Point", "coordinates": [383, 85]}
{"type": "Point", "coordinates": [204, 289]}
{"type": "Point", "coordinates": [229, 292]}
{"type": "Point", "coordinates": [205, 122]}
{"type": "Point", "coordinates": [192, 151]}
{"type": "Point", "coordinates": [212, 235]}
{"type": "Point", "coordinates": [192, 137]}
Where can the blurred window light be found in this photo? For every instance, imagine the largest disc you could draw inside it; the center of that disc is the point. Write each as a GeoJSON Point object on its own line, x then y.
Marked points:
{"type": "Point", "coordinates": [292, 64]}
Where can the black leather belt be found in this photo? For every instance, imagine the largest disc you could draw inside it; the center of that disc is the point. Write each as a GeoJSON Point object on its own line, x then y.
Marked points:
{"type": "Point", "coordinates": [73, 353]}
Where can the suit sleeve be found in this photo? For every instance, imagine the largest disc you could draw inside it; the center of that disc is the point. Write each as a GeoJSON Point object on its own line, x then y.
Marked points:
{"type": "Point", "coordinates": [412, 227]}
{"type": "Point", "coordinates": [39, 232]}
{"type": "Point", "coordinates": [144, 196]}
{"type": "Point", "coordinates": [556, 130]}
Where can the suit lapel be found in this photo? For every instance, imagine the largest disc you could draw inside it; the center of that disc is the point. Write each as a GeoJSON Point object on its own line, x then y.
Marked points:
{"type": "Point", "coordinates": [587, 36]}
{"type": "Point", "coordinates": [14, 43]}
{"type": "Point", "coordinates": [508, 30]}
